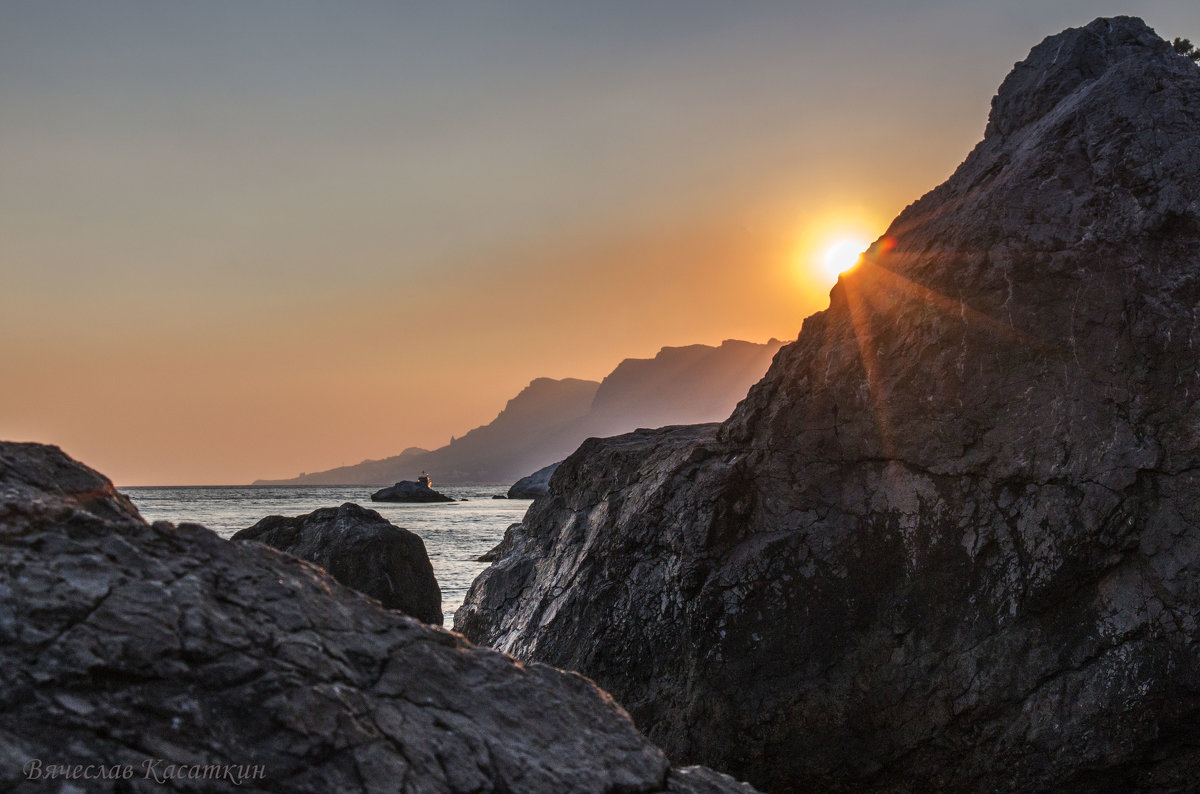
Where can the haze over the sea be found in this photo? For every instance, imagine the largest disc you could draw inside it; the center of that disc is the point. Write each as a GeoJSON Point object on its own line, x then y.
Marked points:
{"type": "Point", "coordinates": [244, 240]}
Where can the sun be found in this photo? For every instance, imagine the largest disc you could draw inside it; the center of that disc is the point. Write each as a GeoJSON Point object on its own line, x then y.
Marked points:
{"type": "Point", "coordinates": [843, 254]}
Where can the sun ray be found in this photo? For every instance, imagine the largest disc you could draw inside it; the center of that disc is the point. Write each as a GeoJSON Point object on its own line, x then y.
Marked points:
{"type": "Point", "coordinates": [874, 293]}
{"type": "Point", "coordinates": [860, 319]}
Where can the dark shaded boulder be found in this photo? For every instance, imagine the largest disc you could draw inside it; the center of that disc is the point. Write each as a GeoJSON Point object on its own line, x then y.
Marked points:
{"type": "Point", "coordinates": [205, 665]}
{"type": "Point", "coordinates": [409, 491]}
{"type": "Point", "coordinates": [533, 485]}
{"type": "Point", "coordinates": [951, 541]}
{"type": "Point", "coordinates": [362, 550]}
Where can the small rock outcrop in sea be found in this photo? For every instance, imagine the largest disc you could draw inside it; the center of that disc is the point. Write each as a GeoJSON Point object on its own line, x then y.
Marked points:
{"type": "Point", "coordinates": [951, 541]}
{"type": "Point", "coordinates": [535, 485]}
{"type": "Point", "coordinates": [213, 666]}
{"type": "Point", "coordinates": [362, 550]}
{"type": "Point", "coordinates": [410, 491]}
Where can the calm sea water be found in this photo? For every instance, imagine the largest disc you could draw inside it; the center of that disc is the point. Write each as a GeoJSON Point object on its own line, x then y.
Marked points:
{"type": "Point", "coordinates": [455, 533]}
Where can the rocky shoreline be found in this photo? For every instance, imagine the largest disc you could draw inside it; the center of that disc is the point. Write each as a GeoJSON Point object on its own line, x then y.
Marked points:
{"type": "Point", "coordinates": [161, 648]}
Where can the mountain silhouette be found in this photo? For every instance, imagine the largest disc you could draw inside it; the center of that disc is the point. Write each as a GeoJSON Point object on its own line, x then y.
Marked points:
{"type": "Point", "coordinates": [550, 418]}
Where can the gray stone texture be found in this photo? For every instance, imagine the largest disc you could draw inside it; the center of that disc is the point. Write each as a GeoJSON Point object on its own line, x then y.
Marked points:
{"type": "Point", "coordinates": [122, 642]}
{"type": "Point", "coordinates": [362, 550]}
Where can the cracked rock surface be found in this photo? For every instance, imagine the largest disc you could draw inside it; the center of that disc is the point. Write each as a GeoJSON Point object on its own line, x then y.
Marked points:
{"type": "Point", "coordinates": [362, 550]}
{"type": "Point", "coordinates": [951, 541]}
{"type": "Point", "coordinates": [122, 642]}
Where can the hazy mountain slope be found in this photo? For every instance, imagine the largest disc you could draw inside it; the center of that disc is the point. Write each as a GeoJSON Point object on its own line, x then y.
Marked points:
{"type": "Point", "coordinates": [539, 410]}
{"type": "Point", "coordinates": [500, 451]}
{"type": "Point", "coordinates": [680, 385]}
{"type": "Point", "coordinates": [550, 418]}
{"type": "Point", "coordinates": [367, 472]}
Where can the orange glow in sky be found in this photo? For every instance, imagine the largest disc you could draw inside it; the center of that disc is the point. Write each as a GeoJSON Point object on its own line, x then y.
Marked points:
{"type": "Point", "coordinates": [830, 241]}
{"type": "Point", "coordinates": [243, 241]}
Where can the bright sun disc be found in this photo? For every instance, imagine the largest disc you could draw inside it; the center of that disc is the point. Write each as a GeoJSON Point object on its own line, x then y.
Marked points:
{"type": "Point", "coordinates": [842, 255]}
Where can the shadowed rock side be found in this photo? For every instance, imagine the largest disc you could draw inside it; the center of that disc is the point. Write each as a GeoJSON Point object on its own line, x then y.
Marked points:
{"type": "Point", "coordinates": [362, 550]}
{"type": "Point", "coordinates": [952, 540]}
{"type": "Point", "coordinates": [122, 642]}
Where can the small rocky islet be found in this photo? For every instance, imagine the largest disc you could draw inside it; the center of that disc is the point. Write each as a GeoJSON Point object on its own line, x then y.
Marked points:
{"type": "Point", "coordinates": [533, 485]}
{"type": "Point", "coordinates": [414, 491]}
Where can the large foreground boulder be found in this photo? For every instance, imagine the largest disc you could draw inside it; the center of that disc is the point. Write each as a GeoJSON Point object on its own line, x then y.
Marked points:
{"type": "Point", "coordinates": [952, 540]}
{"type": "Point", "coordinates": [178, 658]}
{"type": "Point", "coordinates": [362, 550]}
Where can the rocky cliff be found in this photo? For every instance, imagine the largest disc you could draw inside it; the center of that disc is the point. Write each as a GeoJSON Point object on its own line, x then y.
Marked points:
{"type": "Point", "coordinates": [952, 540]}
{"type": "Point", "coordinates": [198, 664]}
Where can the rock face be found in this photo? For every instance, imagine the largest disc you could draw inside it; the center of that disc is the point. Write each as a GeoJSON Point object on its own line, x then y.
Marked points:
{"type": "Point", "coordinates": [952, 540]}
{"type": "Point", "coordinates": [535, 485]}
{"type": "Point", "coordinates": [224, 666]}
{"type": "Point", "coordinates": [409, 491]}
{"type": "Point", "coordinates": [362, 550]}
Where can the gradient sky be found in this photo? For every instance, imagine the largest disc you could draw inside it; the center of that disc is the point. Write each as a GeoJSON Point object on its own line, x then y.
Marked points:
{"type": "Point", "coordinates": [249, 239]}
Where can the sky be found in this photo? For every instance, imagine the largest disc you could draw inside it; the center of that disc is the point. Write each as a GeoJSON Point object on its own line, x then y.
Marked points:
{"type": "Point", "coordinates": [246, 239]}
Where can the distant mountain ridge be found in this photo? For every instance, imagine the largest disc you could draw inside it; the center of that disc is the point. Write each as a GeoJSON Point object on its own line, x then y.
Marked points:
{"type": "Point", "coordinates": [550, 418]}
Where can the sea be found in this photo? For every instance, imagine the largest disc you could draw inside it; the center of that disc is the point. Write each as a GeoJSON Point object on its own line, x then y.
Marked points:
{"type": "Point", "coordinates": [455, 533]}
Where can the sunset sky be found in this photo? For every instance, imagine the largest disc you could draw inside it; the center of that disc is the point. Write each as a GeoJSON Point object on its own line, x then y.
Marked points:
{"type": "Point", "coordinates": [250, 239]}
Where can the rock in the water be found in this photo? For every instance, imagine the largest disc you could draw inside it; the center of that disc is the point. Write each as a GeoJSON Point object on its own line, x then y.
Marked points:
{"type": "Point", "coordinates": [409, 491]}
{"type": "Point", "coordinates": [952, 540]}
{"type": "Point", "coordinates": [362, 550]}
{"type": "Point", "coordinates": [535, 485]}
{"type": "Point", "coordinates": [229, 667]}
